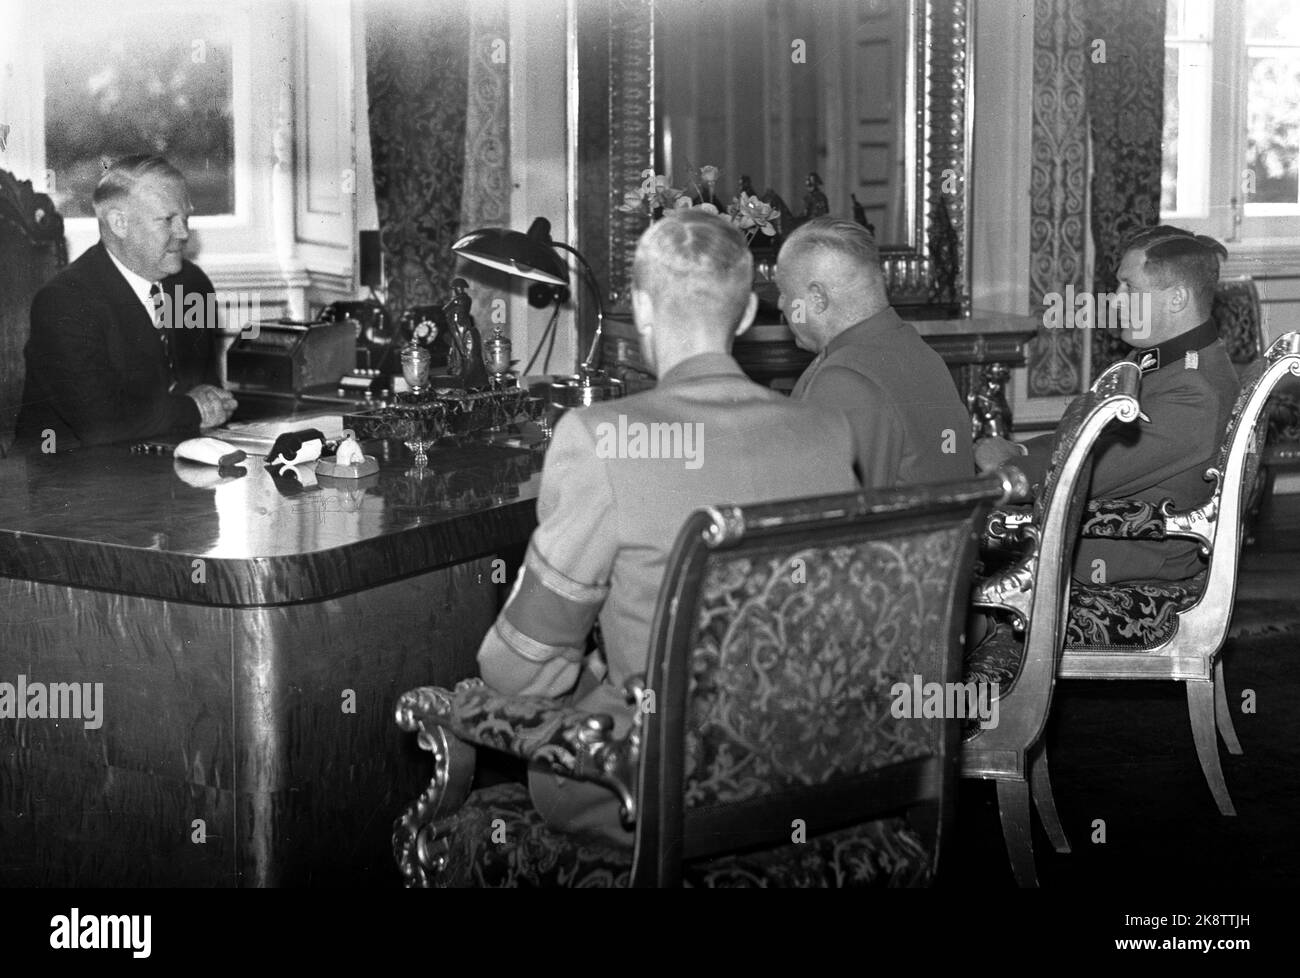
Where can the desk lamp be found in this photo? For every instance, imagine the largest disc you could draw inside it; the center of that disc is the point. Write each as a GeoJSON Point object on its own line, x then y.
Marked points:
{"type": "Point", "coordinates": [533, 256]}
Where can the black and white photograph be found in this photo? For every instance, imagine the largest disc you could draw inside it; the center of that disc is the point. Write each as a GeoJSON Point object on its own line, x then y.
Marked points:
{"type": "Point", "coordinates": [556, 444]}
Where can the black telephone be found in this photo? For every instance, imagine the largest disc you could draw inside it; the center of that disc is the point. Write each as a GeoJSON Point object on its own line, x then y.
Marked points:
{"type": "Point", "coordinates": [374, 343]}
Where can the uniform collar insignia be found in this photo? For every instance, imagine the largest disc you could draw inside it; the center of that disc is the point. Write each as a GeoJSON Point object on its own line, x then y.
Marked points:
{"type": "Point", "coordinates": [1173, 350]}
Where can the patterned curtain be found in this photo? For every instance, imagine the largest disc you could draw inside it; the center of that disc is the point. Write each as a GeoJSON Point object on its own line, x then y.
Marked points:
{"type": "Point", "coordinates": [1058, 182]}
{"type": "Point", "coordinates": [485, 201]}
{"type": "Point", "coordinates": [417, 70]}
{"type": "Point", "coordinates": [1125, 75]}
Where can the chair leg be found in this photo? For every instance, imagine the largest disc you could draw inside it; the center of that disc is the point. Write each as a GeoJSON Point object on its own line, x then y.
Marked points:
{"type": "Point", "coordinates": [1017, 830]}
{"type": "Point", "coordinates": [1222, 714]}
{"type": "Point", "coordinates": [1041, 781]}
{"type": "Point", "coordinates": [1200, 705]}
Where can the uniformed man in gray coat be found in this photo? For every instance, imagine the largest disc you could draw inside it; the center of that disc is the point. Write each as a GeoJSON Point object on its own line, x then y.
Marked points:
{"type": "Point", "coordinates": [909, 423]}
{"type": "Point", "coordinates": [1166, 287]}
{"type": "Point", "coordinates": [622, 476]}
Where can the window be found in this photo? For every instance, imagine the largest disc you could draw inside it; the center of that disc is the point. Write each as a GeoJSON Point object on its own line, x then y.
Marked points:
{"type": "Point", "coordinates": [137, 78]}
{"type": "Point", "coordinates": [1232, 118]}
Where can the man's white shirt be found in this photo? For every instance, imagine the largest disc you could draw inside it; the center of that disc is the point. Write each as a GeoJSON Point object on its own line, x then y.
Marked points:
{"type": "Point", "coordinates": [140, 286]}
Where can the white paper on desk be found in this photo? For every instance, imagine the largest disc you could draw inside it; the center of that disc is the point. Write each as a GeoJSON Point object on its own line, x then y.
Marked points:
{"type": "Point", "coordinates": [259, 435]}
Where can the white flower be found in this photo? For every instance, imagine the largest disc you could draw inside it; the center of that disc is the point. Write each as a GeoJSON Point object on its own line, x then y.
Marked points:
{"type": "Point", "coordinates": [753, 215]}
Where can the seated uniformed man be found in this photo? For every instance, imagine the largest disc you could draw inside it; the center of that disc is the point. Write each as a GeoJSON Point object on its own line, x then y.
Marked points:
{"type": "Point", "coordinates": [909, 422]}
{"type": "Point", "coordinates": [1189, 387]}
{"type": "Point", "coordinates": [608, 515]}
{"type": "Point", "coordinates": [104, 363]}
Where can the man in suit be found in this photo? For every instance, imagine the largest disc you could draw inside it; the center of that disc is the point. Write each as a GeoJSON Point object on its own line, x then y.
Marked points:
{"type": "Point", "coordinates": [622, 476]}
{"type": "Point", "coordinates": [909, 422]}
{"type": "Point", "coordinates": [1189, 386]}
{"type": "Point", "coordinates": [105, 360]}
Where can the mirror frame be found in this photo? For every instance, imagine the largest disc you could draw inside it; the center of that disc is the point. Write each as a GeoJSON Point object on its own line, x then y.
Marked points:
{"type": "Point", "coordinates": [612, 83]}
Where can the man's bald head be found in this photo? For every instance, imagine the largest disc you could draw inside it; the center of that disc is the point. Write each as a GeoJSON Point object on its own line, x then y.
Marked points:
{"type": "Point", "coordinates": [830, 277]}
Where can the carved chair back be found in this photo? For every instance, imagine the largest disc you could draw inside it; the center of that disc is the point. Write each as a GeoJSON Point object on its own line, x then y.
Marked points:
{"type": "Point", "coordinates": [1036, 589]}
{"type": "Point", "coordinates": [32, 249]}
{"type": "Point", "coordinates": [1219, 523]}
{"type": "Point", "coordinates": [1236, 313]}
{"type": "Point", "coordinates": [785, 635]}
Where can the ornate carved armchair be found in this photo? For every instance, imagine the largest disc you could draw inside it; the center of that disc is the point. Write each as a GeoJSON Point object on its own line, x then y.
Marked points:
{"type": "Point", "coordinates": [32, 249]}
{"type": "Point", "coordinates": [1176, 631]}
{"type": "Point", "coordinates": [789, 642]}
{"type": "Point", "coordinates": [1021, 657]}
{"type": "Point", "coordinates": [1238, 315]}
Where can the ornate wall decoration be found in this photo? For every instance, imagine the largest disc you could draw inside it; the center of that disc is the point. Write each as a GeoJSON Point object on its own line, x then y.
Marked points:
{"type": "Point", "coordinates": [417, 70]}
{"type": "Point", "coordinates": [1126, 112]}
{"type": "Point", "coordinates": [945, 80]}
{"type": "Point", "coordinates": [631, 126]}
{"type": "Point", "coordinates": [616, 142]}
{"type": "Point", "coordinates": [1057, 190]}
{"type": "Point", "coordinates": [485, 199]}
{"type": "Point", "coordinates": [486, 196]}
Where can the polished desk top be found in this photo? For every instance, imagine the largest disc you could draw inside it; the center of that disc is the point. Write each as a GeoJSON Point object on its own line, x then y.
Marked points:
{"type": "Point", "coordinates": [110, 519]}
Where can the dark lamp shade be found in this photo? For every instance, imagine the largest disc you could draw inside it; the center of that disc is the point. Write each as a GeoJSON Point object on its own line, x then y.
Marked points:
{"type": "Point", "coordinates": [514, 253]}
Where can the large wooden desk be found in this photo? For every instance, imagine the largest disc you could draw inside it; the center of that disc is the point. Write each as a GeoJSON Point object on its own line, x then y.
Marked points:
{"type": "Point", "coordinates": [251, 646]}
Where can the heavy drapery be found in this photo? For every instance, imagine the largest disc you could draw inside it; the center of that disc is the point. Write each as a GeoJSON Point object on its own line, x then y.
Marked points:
{"type": "Point", "coordinates": [417, 71]}
{"type": "Point", "coordinates": [1125, 75]}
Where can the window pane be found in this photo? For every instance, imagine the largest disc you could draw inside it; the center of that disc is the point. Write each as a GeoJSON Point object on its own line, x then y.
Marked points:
{"type": "Point", "coordinates": [1273, 127]}
{"type": "Point", "coordinates": [1169, 169]}
{"type": "Point", "coordinates": [1188, 20]}
{"type": "Point", "coordinates": [1272, 21]}
{"type": "Point", "coordinates": [138, 80]}
{"type": "Point", "coordinates": [1186, 150]}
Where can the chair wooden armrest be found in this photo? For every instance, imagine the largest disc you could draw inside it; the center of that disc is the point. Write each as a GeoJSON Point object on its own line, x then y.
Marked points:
{"type": "Point", "coordinates": [451, 723]}
{"type": "Point", "coordinates": [571, 743]}
{"type": "Point", "coordinates": [1134, 519]}
{"type": "Point", "coordinates": [1004, 528]}
{"type": "Point", "coordinates": [1126, 519]}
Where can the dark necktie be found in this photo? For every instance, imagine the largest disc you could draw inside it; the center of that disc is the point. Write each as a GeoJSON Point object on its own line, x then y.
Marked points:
{"type": "Point", "coordinates": [159, 304]}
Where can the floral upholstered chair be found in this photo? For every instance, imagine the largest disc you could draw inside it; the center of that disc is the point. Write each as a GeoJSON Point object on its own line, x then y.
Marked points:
{"type": "Point", "coordinates": [1021, 654]}
{"type": "Point", "coordinates": [778, 741]}
{"type": "Point", "coordinates": [1162, 630]}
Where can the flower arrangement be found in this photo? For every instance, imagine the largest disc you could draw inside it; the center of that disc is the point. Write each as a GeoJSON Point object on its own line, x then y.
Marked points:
{"type": "Point", "coordinates": [656, 195]}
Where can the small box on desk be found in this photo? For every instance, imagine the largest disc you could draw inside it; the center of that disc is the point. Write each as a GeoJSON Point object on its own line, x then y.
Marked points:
{"type": "Point", "coordinates": [287, 357]}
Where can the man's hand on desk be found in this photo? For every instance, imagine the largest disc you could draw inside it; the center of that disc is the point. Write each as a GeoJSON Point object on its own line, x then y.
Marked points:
{"type": "Point", "coordinates": [992, 452]}
{"type": "Point", "coordinates": [215, 405]}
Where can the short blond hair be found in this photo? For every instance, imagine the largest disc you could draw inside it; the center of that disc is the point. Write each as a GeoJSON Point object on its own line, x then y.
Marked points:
{"type": "Point", "coordinates": [696, 267]}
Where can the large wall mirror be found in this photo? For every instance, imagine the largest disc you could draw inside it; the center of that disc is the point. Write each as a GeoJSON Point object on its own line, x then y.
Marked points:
{"type": "Point", "coordinates": [871, 95]}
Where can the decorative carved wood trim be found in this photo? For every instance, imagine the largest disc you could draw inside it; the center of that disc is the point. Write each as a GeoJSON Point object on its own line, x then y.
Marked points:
{"type": "Point", "coordinates": [32, 250]}
{"type": "Point", "coordinates": [33, 214]}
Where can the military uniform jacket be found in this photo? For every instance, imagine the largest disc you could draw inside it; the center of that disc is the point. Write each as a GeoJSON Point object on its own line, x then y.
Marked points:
{"type": "Point", "coordinates": [1189, 387]}
{"type": "Point", "coordinates": [608, 517]}
{"type": "Point", "coordinates": [909, 423]}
